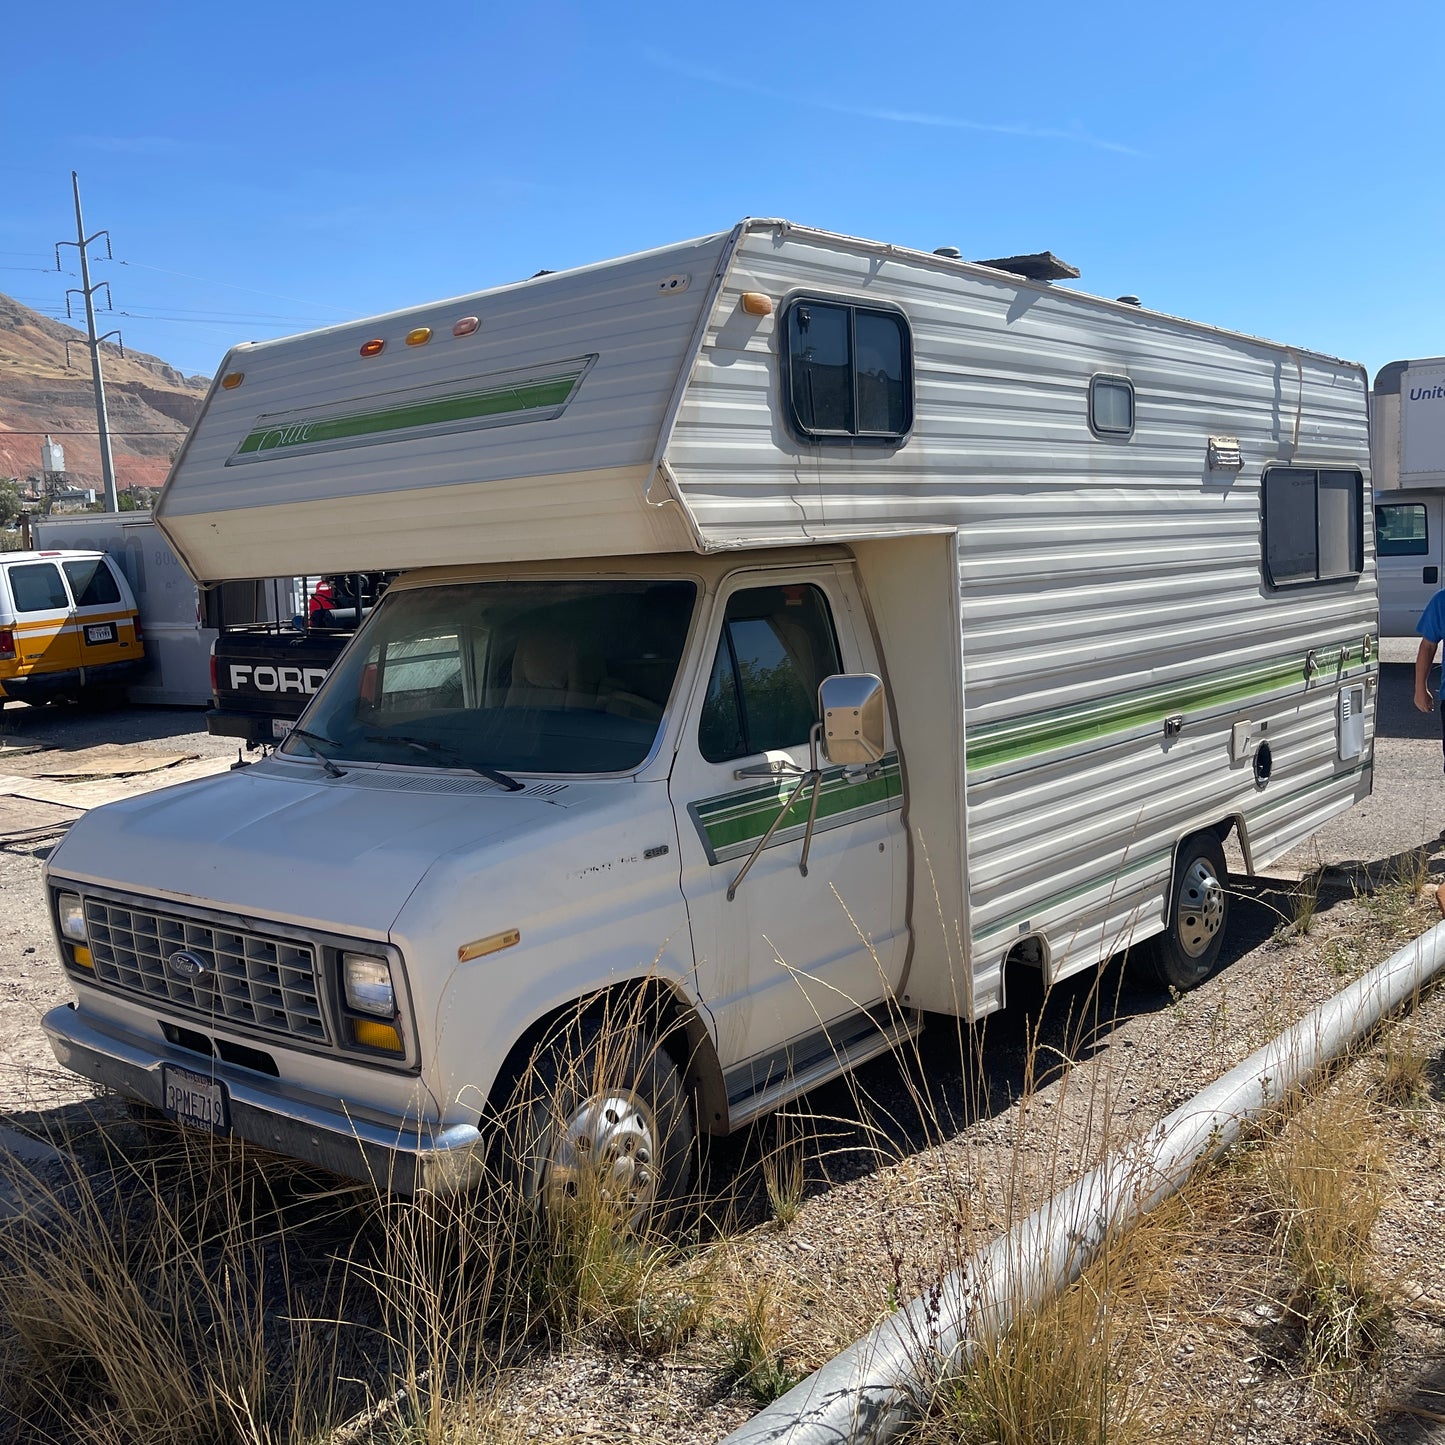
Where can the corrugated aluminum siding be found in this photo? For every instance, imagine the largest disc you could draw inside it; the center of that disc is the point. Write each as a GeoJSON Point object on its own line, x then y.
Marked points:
{"type": "Point", "coordinates": [1105, 584]}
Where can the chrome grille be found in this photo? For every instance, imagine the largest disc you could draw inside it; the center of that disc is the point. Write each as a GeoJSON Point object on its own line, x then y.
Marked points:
{"type": "Point", "coordinates": [248, 979]}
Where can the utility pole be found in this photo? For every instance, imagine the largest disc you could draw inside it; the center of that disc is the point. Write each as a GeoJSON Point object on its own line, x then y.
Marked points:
{"type": "Point", "coordinates": [81, 244]}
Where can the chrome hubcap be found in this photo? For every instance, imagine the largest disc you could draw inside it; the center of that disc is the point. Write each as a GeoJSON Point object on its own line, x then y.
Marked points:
{"type": "Point", "coordinates": [609, 1144]}
{"type": "Point", "coordinates": [1199, 908]}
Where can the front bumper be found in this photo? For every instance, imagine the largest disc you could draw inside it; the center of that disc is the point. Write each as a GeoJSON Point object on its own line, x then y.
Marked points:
{"type": "Point", "coordinates": [398, 1156]}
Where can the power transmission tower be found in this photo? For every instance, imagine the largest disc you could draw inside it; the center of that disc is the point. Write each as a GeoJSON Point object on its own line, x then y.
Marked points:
{"type": "Point", "coordinates": [82, 243]}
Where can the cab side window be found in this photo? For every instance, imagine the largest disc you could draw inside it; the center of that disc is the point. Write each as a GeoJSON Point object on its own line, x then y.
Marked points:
{"type": "Point", "coordinates": [36, 587]}
{"type": "Point", "coordinates": [777, 645]}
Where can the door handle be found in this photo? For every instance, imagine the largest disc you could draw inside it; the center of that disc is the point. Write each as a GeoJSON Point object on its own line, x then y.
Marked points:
{"type": "Point", "coordinates": [1432, 576]}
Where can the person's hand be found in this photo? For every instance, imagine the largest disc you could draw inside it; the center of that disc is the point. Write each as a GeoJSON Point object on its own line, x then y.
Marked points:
{"type": "Point", "coordinates": [1423, 700]}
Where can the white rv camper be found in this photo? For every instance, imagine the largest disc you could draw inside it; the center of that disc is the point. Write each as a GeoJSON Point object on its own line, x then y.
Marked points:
{"type": "Point", "coordinates": [1407, 452]}
{"type": "Point", "coordinates": [801, 632]}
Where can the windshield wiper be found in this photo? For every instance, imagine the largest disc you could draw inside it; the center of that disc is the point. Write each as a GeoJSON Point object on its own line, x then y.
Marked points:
{"type": "Point", "coordinates": [441, 750]}
{"type": "Point", "coordinates": [311, 739]}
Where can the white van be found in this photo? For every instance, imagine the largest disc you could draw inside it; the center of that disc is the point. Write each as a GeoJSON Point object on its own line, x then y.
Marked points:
{"type": "Point", "coordinates": [69, 628]}
{"type": "Point", "coordinates": [804, 635]}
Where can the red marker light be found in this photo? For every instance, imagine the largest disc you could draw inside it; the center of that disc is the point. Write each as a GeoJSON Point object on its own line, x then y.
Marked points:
{"type": "Point", "coordinates": [373, 348]}
{"type": "Point", "coordinates": [466, 326]}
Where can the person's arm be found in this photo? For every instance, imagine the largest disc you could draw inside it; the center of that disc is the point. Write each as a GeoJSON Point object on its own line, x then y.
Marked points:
{"type": "Point", "coordinates": [1424, 659]}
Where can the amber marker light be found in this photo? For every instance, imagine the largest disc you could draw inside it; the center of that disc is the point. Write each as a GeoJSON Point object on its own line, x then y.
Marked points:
{"type": "Point", "coordinates": [232, 379]}
{"type": "Point", "coordinates": [756, 304]}
{"type": "Point", "coordinates": [372, 1034]}
{"type": "Point", "coordinates": [480, 947]}
{"type": "Point", "coordinates": [81, 956]}
{"type": "Point", "coordinates": [373, 348]}
{"type": "Point", "coordinates": [465, 326]}
{"type": "Point", "coordinates": [419, 337]}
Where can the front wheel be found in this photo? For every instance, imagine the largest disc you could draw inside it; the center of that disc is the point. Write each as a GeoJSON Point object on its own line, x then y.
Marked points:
{"type": "Point", "coordinates": [603, 1121]}
{"type": "Point", "coordinates": [1188, 950]}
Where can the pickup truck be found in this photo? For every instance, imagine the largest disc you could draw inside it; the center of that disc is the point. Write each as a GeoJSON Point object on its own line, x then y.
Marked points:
{"type": "Point", "coordinates": [263, 675]}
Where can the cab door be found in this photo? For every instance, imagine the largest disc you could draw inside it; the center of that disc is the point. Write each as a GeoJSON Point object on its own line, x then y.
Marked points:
{"type": "Point", "coordinates": [1408, 551]}
{"type": "Point", "coordinates": [789, 963]}
{"type": "Point", "coordinates": [45, 640]}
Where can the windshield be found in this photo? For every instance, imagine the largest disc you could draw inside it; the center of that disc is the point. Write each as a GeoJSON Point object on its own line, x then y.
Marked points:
{"type": "Point", "coordinates": [544, 677]}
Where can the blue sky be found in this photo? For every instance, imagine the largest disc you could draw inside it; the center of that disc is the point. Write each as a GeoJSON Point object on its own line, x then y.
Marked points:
{"type": "Point", "coordinates": [1273, 168]}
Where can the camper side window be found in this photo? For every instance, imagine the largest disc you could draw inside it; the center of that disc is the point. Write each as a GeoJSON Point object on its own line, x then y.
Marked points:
{"type": "Point", "coordinates": [849, 372]}
{"type": "Point", "coordinates": [1400, 530]}
{"type": "Point", "coordinates": [1313, 525]}
{"type": "Point", "coordinates": [777, 645]}
{"type": "Point", "coordinates": [1111, 407]}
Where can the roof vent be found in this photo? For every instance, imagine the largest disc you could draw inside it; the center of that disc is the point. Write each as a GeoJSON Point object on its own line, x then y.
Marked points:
{"type": "Point", "coordinates": [1128, 300]}
{"type": "Point", "coordinates": [951, 253]}
{"type": "Point", "coordinates": [1040, 266]}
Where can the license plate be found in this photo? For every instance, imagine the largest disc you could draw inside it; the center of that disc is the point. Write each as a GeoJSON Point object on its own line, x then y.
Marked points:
{"type": "Point", "coordinates": [195, 1100]}
{"type": "Point", "coordinates": [100, 632]}
{"type": "Point", "coordinates": [279, 727]}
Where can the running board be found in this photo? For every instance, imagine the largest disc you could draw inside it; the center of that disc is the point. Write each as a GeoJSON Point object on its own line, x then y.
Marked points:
{"type": "Point", "coordinates": [879, 1038]}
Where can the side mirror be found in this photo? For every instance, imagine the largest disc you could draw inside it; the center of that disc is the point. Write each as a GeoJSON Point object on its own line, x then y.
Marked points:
{"type": "Point", "coordinates": [851, 704]}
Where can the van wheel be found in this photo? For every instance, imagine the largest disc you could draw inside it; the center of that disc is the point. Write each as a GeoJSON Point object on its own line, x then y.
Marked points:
{"type": "Point", "coordinates": [602, 1120]}
{"type": "Point", "coordinates": [1186, 953]}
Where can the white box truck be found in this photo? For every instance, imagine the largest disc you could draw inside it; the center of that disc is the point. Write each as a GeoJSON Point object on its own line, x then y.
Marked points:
{"type": "Point", "coordinates": [1407, 449]}
{"type": "Point", "coordinates": [796, 633]}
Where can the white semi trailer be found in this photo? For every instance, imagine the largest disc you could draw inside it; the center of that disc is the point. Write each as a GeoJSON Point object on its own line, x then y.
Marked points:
{"type": "Point", "coordinates": [1407, 449]}
{"type": "Point", "coordinates": [799, 634]}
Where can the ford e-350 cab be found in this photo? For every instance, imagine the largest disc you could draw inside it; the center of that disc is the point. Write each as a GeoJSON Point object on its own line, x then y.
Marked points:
{"type": "Point", "coordinates": [68, 626]}
{"type": "Point", "coordinates": [513, 789]}
{"type": "Point", "coordinates": [797, 636]}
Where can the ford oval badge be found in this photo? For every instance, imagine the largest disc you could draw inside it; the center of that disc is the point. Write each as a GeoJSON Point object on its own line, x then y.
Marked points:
{"type": "Point", "coordinates": [187, 965]}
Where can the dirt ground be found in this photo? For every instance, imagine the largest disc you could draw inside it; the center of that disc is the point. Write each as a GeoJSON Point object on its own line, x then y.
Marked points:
{"type": "Point", "coordinates": [910, 1162]}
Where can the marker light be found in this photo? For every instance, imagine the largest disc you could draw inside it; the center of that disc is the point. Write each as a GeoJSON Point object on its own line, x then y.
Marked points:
{"type": "Point", "coordinates": [373, 348]}
{"type": "Point", "coordinates": [419, 337]}
{"type": "Point", "coordinates": [479, 948]}
{"type": "Point", "coordinates": [756, 304]}
{"type": "Point", "coordinates": [232, 379]}
{"type": "Point", "coordinates": [465, 326]}
{"type": "Point", "coordinates": [81, 956]}
{"type": "Point", "coordinates": [373, 1035]}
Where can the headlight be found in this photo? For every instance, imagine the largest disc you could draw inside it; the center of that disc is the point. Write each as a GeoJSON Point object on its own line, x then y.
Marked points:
{"type": "Point", "coordinates": [72, 916]}
{"type": "Point", "coordinates": [367, 980]}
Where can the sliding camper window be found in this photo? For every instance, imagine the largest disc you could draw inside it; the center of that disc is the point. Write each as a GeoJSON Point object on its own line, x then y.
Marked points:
{"type": "Point", "coordinates": [1313, 525]}
{"type": "Point", "coordinates": [1111, 407]}
{"type": "Point", "coordinates": [849, 372]}
{"type": "Point", "coordinates": [1400, 530]}
{"type": "Point", "coordinates": [777, 645]}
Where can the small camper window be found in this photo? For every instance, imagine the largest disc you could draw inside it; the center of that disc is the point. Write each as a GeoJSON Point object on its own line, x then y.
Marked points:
{"type": "Point", "coordinates": [849, 372]}
{"type": "Point", "coordinates": [1313, 525]}
{"type": "Point", "coordinates": [1400, 530]}
{"type": "Point", "coordinates": [1111, 407]}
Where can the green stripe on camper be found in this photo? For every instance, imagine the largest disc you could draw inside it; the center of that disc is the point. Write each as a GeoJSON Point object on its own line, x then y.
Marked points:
{"type": "Point", "coordinates": [1013, 739]}
{"type": "Point", "coordinates": [732, 823]}
{"type": "Point", "coordinates": [490, 404]}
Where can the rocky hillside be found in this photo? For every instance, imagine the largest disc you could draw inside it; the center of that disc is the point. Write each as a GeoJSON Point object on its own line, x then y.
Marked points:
{"type": "Point", "coordinates": [150, 404]}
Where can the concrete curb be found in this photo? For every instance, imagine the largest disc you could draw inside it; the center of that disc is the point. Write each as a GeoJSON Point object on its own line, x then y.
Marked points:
{"type": "Point", "coordinates": [877, 1387]}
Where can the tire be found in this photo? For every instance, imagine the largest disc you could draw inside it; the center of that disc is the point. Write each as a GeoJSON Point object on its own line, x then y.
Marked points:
{"type": "Point", "coordinates": [1188, 950]}
{"type": "Point", "coordinates": [601, 1114]}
